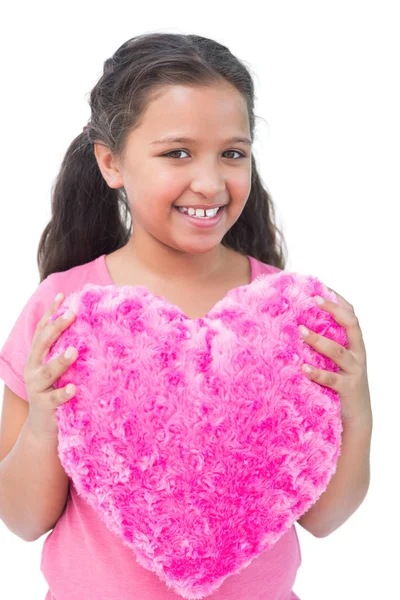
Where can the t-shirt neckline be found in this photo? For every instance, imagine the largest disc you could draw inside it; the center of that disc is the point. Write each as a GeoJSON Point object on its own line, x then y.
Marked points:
{"type": "Point", "coordinates": [106, 275]}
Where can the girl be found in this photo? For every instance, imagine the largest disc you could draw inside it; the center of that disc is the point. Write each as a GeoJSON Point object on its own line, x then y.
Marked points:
{"type": "Point", "coordinates": [168, 145]}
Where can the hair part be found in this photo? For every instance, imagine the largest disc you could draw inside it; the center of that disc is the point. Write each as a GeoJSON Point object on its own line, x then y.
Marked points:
{"type": "Point", "coordinates": [88, 218]}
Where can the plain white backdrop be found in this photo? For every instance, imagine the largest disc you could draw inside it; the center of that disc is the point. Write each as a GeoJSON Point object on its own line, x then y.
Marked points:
{"type": "Point", "coordinates": [327, 86]}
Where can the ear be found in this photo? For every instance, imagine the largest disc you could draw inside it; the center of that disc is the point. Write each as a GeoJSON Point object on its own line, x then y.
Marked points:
{"type": "Point", "coordinates": [109, 167]}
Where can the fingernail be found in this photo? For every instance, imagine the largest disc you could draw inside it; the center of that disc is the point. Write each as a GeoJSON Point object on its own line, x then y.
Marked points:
{"type": "Point", "coordinates": [69, 352]}
{"type": "Point", "coordinates": [58, 297]}
{"type": "Point", "coordinates": [68, 314]}
{"type": "Point", "coordinates": [319, 300]}
{"type": "Point", "coordinates": [303, 330]}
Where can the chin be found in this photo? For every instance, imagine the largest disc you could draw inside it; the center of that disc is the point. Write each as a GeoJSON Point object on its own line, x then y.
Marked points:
{"type": "Point", "coordinates": [197, 249]}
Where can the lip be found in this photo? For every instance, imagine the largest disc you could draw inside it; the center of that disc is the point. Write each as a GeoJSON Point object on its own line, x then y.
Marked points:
{"type": "Point", "coordinates": [203, 223]}
{"type": "Point", "coordinates": [205, 206]}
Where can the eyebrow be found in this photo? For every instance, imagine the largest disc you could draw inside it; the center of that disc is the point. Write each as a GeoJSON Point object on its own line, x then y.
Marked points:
{"type": "Point", "coordinates": [186, 140]}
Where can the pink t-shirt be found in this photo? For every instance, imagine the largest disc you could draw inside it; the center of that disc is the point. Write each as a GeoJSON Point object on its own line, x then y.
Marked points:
{"type": "Point", "coordinates": [81, 558]}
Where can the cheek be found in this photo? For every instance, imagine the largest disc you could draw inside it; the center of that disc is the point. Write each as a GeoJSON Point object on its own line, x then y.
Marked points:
{"type": "Point", "coordinates": [243, 183]}
{"type": "Point", "coordinates": [238, 184]}
{"type": "Point", "coordinates": [239, 190]}
{"type": "Point", "coordinates": [166, 180]}
{"type": "Point", "coordinates": [155, 196]}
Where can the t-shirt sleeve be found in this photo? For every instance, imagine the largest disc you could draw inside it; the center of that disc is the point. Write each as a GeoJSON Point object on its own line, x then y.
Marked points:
{"type": "Point", "coordinates": [16, 349]}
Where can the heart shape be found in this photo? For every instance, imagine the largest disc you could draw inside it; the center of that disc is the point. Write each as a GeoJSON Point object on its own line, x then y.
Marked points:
{"type": "Point", "coordinates": [199, 442]}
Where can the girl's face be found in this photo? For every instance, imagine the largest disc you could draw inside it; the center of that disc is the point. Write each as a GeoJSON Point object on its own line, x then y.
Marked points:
{"type": "Point", "coordinates": [211, 169]}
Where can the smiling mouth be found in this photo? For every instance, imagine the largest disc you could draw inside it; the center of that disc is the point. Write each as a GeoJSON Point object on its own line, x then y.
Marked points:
{"type": "Point", "coordinates": [202, 221]}
{"type": "Point", "coordinates": [192, 212]}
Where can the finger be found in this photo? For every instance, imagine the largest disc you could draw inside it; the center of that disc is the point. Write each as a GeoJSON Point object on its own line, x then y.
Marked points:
{"type": "Point", "coordinates": [340, 355]}
{"type": "Point", "coordinates": [326, 378]}
{"type": "Point", "coordinates": [40, 327]}
{"type": "Point", "coordinates": [342, 300]}
{"type": "Point", "coordinates": [41, 324]}
{"type": "Point", "coordinates": [52, 332]}
{"type": "Point", "coordinates": [349, 320]}
{"type": "Point", "coordinates": [52, 370]}
{"type": "Point", "coordinates": [62, 395]}
{"type": "Point", "coordinates": [45, 338]}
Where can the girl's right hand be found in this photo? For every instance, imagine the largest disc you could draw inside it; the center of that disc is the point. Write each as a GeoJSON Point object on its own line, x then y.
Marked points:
{"type": "Point", "coordinates": [39, 378]}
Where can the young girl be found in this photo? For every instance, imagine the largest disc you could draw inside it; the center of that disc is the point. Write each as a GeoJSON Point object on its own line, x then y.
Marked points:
{"type": "Point", "coordinates": [170, 133]}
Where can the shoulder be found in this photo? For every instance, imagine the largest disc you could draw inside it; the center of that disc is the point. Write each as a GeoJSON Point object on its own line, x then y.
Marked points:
{"type": "Point", "coordinates": [73, 279]}
{"type": "Point", "coordinates": [261, 268]}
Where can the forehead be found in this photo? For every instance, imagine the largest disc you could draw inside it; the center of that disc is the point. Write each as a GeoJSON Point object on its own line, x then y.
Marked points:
{"type": "Point", "coordinates": [196, 112]}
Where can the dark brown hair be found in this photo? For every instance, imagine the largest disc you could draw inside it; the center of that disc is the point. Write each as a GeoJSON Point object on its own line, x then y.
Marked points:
{"type": "Point", "coordinates": [88, 218]}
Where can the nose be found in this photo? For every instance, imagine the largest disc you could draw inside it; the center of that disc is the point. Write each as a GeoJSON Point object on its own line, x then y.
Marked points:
{"type": "Point", "coordinates": [209, 182]}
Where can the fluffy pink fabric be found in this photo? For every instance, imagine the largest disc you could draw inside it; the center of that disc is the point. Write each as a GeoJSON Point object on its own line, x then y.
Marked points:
{"type": "Point", "coordinates": [199, 442]}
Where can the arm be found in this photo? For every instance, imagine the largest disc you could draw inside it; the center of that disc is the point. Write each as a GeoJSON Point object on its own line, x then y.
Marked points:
{"type": "Point", "coordinates": [33, 487]}
{"type": "Point", "coordinates": [347, 487]}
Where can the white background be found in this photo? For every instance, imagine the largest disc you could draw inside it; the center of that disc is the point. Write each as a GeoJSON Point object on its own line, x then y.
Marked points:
{"type": "Point", "coordinates": [328, 102]}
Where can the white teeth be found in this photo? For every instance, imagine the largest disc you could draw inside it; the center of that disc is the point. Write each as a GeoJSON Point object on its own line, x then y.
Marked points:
{"type": "Point", "coordinates": [199, 212]}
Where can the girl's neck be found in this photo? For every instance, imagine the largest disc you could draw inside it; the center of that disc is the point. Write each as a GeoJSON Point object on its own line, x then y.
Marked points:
{"type": "Point", "coordinates": [167, 263]}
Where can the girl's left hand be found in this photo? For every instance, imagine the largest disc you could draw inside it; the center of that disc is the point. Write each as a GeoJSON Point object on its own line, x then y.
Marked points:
{"type": "Point", "coordinates": [351, 382]}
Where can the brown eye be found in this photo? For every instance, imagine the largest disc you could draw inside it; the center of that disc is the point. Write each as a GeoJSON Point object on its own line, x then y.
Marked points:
{"type": "Point", "coordinates": [168, 154]}
{"type": "Point", "coordinates": [237, 152]}
{"type": "Point", "coordinates": [173, 152]}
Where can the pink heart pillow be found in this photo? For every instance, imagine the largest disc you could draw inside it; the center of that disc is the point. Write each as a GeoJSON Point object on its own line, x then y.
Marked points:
{"type": "Point", "coordinates": [199, 442]}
